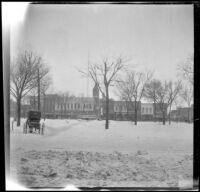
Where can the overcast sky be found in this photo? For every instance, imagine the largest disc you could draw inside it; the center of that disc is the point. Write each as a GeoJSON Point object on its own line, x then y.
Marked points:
{"type": "Point", "coordinates": [156, 37]}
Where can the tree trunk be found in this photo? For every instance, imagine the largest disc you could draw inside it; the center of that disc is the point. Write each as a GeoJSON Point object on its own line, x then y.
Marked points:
{"type": "Point", "coordinates": [154, 104]}
{"type": "Point", "coordinates": [44, 104]}
{"type": "Point", "coordinates": [66, 110]}
{"type": "Point", "coordinates": [107, 109]}
{"type": "Point", "coordinates": [18, 111]}
{"type": "Point", "coordinates": [170, 114]}
{"type": "Point", "coordinates": [135, 113]}
{"type": "Point", "coordinates": [164, 118]}
{"type": "Point", "coordinates": [127, 110]}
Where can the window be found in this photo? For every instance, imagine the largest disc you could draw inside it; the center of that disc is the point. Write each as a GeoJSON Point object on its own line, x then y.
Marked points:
{"type": "Point", "coordinates": [142, 109]}
{"type": "Point", "coordinates": [146, 110]}
{"type": "Point", "coordinates": [72, 106]}
{"type": "Point", "coordinates": [150, 109]}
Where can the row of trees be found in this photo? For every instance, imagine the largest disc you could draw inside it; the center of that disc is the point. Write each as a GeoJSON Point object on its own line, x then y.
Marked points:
{"type": "Point", "coordinates": [140, 85]}
{"type": "Point", "coordinates": [28, 75]}
{"type": "Point", "coordinates": [132, 88]}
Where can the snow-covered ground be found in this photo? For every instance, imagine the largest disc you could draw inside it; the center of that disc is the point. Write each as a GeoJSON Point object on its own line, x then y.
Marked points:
{"type": "Point", "coordinates": [84, 153]}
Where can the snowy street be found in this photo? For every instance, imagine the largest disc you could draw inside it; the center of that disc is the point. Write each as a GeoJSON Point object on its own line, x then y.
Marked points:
{"type": "Point", "coordinates": [83, 153]}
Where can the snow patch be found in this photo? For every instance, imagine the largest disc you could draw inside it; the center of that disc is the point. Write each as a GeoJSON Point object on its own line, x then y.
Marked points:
{"type": "Point", "coordinates": [84, 154]}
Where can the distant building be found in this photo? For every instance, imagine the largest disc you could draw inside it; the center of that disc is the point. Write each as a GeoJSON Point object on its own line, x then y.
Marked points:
{"type": "Point", "coordinates": [25, 107]}
{"type": "Point", "coordinates": [147, 111]}
{"type": "Point", "coordinates": [125, 110]}
{"type": "Point", "coordinates": [184, 114]}
{"type": "Point", "coordinates": [111, 108]}
{"type": "Point", "coordinates": [174, 115]}
{"type": "Point", "coordinates": [158, 114]}
{"type": "Point", "coordinates": [60, 106]}
{"type": "Point", "coordinates": [48, 103]}
{"type": "Point", "coordinates": [74, 106]}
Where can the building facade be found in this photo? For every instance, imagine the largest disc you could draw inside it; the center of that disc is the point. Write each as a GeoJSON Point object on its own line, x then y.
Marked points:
{"type": "Point", "coordinates": [183, 114]}
{"type": "Point", "coordinates": [147, 111]}
{"type": "Point", "coordinates": [60, 106]}
{"type": "Point", "coordinates": [125, 110]}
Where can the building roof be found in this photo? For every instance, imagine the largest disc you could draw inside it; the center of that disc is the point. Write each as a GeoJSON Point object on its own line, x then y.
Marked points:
{"type": "Point", "coordinates": [80, 99]}
{"type": "Point", "coordinates": [146, 104]}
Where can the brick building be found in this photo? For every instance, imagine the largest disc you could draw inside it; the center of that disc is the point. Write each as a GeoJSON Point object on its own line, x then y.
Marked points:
{"type": "Point", "coordinates": [183, 114]}
{"type": "Point", "coordinates": [60, 106]}
{"type": "Point", "coordinates": [147, 111]}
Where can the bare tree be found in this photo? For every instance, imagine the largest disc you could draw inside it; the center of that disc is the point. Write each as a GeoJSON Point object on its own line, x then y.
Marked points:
{"type": "Point", "coordinates": [24, 77]}
{"type": "Point", "coordinates": [151, 92]}
{"type": "Point", "coordinates": [163, 95]}
{"type": "Point", "coordinates": [187, 96]}
{"type": "Point", "coordinates": [173, 91]}
{"type": "Point", "coordinates": [33, 93]}
{"type": "Point", "coordinates": [122, 94]}
{"type": "Point", "coordinates": [45, 83]}
{"type": "Point", "coordinates": [104, 74]}
{"type": "Point", "coordinates": [134, 88]}
{"type": "Point", "coordinates": [163, 99]}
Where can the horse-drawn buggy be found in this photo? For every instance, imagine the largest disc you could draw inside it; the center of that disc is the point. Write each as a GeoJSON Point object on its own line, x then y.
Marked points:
{"type": "Point", "coordinates": [33, 123]}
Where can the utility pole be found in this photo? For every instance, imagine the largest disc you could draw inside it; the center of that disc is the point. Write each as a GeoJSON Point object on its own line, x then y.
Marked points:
{"type": "Point", "coordinates": [38, 89]}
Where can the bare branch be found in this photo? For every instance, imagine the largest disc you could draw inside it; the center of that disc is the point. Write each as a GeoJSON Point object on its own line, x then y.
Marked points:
{"type": "Point", "coordinates": [24, 75]}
